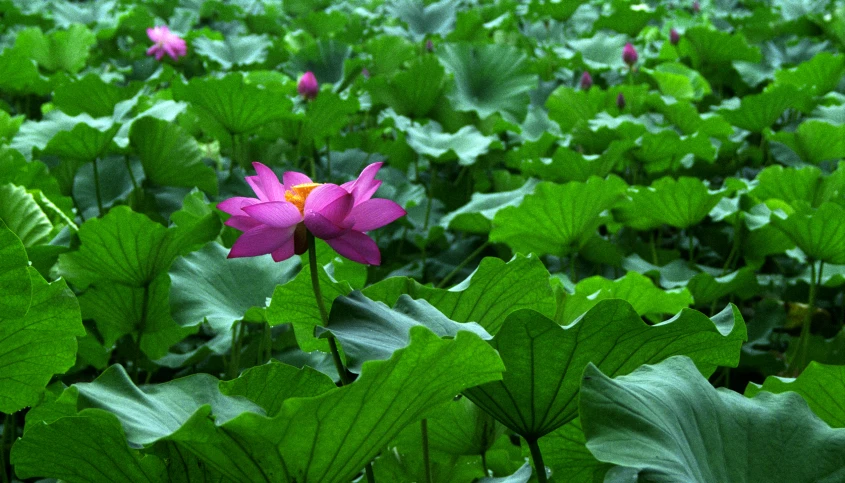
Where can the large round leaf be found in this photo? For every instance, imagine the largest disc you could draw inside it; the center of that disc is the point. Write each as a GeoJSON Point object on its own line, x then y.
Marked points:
{"type": "Point", "coordinates": [819, 233]}
{"type": "Point", "coordinates": [538, 393]}
{"type": "Point", "coordinates": [556, 219]}
{"type": "Point", "coordinates": [489, 78]}
{"type": "Point", "coordinates": [667, 423]}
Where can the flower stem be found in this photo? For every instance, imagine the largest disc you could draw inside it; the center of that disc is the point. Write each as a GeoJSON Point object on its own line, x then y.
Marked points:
{"type": "Point", "coordinates": [338, 363]}
{"type": "Point", "coordinates": [539, 467]}
{"type": "Point", "coordinates": [318, 294]}
{"type": "Point", "coordinates": [426, 457]}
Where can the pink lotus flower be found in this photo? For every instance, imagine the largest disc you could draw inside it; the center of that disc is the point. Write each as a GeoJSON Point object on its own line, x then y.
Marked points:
{"type": "Point", "coordinates": [166, 42]}
{"type": "Point", "coordinates": [307, 86]}
{"type": "Point", "coordinates": [674, 37]}
{"type": "Point", "coordinates": [586, 81]}
{"type": "Point", "coordinates": [276, 221]}
{"type": "Point", "coordinates": [629, 54]}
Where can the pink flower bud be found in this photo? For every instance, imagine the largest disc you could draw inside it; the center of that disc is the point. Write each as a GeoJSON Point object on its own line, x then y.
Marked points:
{"type": "Point", "coordinates": [429, 45]}
{"type": "Point", "coordinates": [307, 86]}
{"type": "Point", "coordinates": [586, 81]}
{"type": "Point", "coordinates": [620, 101]}
{"type": "Point", "coordinates": [674, 37]}
{"type": "Point", "coordinates": [629, 54]}
{"type": "Point", "coordinates": [696, 7]}
{"type": "Point", "coordinates": [365, 73]}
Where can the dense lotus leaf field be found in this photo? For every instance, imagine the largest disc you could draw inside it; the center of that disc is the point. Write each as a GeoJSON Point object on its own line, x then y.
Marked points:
{"type": "Point", "coordinates": [411, 241]}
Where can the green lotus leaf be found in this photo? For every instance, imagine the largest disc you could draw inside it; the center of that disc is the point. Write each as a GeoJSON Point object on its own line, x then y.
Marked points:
{"type": "Point", "coordinates": [234, 50]}
{"type": "Point", "coordinates": [681, 203]}
{"type": "Point", "coordinates": [601, 51]}
{"type": "Point", "coordinates": [538, 393]}
{"type": "Point", "coordinates": [477, 215]}
{"type": "Point", "coordinates": [324, 57]}
{"type": "Point", "coordinates": [144, 312]}
{"type": "Point", "coordinates": [487, 296]}
{"type": "Point", "coordinates": [556, 219]}
{"type": "Point", "coordinates": [819, 75]}
{"type": "Point", "coordinates": [288, 382]}
{"type": "Point", "coordinates": [206, 286]}
{"type": "Point", "coordinates": [422, 19]}
{"type": "Point", "coordinates": [91, 95]}
{"type": "Point", "coordinates": [814, 141]}
{"type": "Point", "coordinates": [294, 303]}
{"type": "Point", "coordinates": [462, 428]}
{"type": "Point", "coordinates": [23, 216]}
{"type": "Point", "coordinates": [666, 422]}
{"type": "Point", "coordinates": [489, 78]}
{"type": "Point", "coordinates": [369, 330]}
{"type": "Point", "coordinates": [680, 82]}
{"type": "Point", "coordinates": [170, 156]}
{"type": "Point", "coordinates": [759, 111]}
{"type": "Point", "coordinates": [234, 436]}
{"type": "Point", "coordinates": [467, 144]}
{"type": "Point", "coordinates": [413, 92]}
{"type": "Point", "coordinates": [569, 165]}
{"type": "Point", "coordinates": [237, 106]}
{"type": "Point", "coordinates": [806, 184]}
{"type": "Point", "coordinates": [636, 289]}
{"type": "Point", "coordinates": [819, 233]}
{"type": "Point", "coordinates": [86, 448]}
{"type": "Point", "coordinates": [38, 344]}
{"type": "Point", "coordinates": [19, 73]}
{"type": "Point", "coordinates": [15, 284]}
{"type": "Point", "coordinates": [565, 452]}
{"type": "Point", "coordinates": [327, 115]}
{"type": "Point", "coordinates": [65, 50]}
{"type": "Point", "coordinates": [706, 45]}
{"type": "Point", "coordinates": [821, 385]}
{"type": "Point", "coordinates": [123, 247]}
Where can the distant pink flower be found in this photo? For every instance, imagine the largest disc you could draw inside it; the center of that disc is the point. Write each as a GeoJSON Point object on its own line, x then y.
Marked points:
{"type": "Point", "coordinates": [276, 221]}
{"type": "Point", "coordinates": [166, 42]}
{"type": "Point", "coordinates": [586, 81]}
{"type": "Point", "coordinates": [429, 45]}
{"type": "Point", "coordinates": [365, 73]}
{"type": "Point", "coordinates": [696, 7]}
{"type": "Point", "coordinates": [674, 37]}
{"type": "Point", "coordinates": [620, 101]}
{"type": "Point", "coordinates": [307, 86]}
{"type": "Point", "coordinates": [629, 54]}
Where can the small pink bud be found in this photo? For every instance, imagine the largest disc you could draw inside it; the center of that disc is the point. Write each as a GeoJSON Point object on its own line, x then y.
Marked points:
{"type": "Point", "coordinates": [620, 101]}
{"type": "Point", "coordinates": [365, 73]}
{"type": "Point", "coordinates": [629, 54]}
{"type": "Point", "coordinates": [696, 7]}
{"type": "Point", "coordinates": [586, 81]}
{"type": "Point", "coordinates": [429, 45]}
{"type": "Point", "coordinates": [307, 86]}
{"type": "Point", "coordinates": [674, 37]}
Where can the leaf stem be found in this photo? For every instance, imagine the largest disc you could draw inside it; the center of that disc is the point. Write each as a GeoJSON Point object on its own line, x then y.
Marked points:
{"type": "Point", "coordinates": [142, 325]}
{"type": "Point", "coordinates": [426, 457]}
{"type": "Point", "coordinates": [800, 360]}
{"type": "Point", "coordinates": [131, 174]}
{"type": "Point", "coordinates": [537, 456]}
{"type": "Point", "coordinates": [97, 187]}
{"type": "Point", "coordinates": [7, 424]}
{"type": "Point", "coordinates": [484, 463]}
{"type": "Point", "coordinates": [461, 265]}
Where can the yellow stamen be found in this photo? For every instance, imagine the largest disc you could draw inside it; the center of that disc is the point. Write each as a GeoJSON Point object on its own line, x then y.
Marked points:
{"type": "Point", "coordinates": [297, 194]}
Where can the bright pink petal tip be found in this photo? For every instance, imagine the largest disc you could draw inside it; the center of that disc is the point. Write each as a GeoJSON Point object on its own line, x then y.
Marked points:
{"type": "Point", "coordinates": [373, 214]}
{"type": "Point", "coordinates": [357, 247]}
